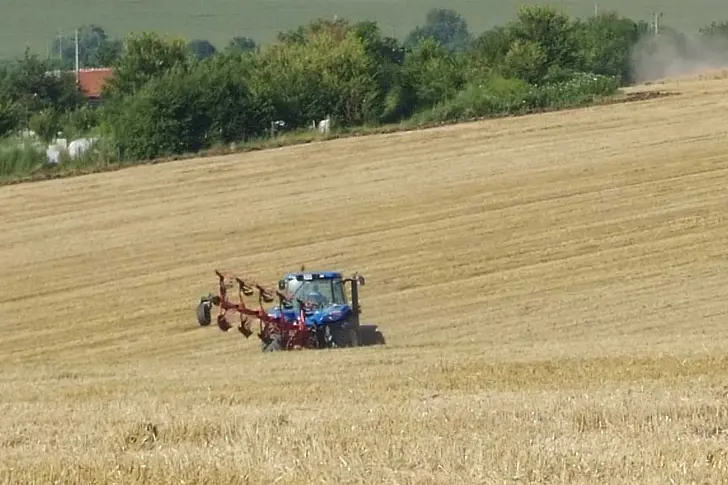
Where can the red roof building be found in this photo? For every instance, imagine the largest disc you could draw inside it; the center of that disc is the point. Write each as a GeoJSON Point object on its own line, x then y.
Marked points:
{"type": "Point", "coordinates": [92, 81]}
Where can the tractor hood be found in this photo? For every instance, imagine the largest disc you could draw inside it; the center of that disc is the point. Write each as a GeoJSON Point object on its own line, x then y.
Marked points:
{"type": "Point", "coordinates": [330, 314]}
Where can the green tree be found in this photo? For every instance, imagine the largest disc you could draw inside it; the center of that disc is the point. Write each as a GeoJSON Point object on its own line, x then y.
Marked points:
{"type": "Point", "coordinates": [312, 75]}
{"type": "Point", "coordinates": [387, 50]}
{"type": "Point", "coordinates": [234, 110]}
{"type": "Point", "coordinates": [383, 57]}
{"type": "Point", "coordinates": [553, 31]}
{"type": "Point", "coordinates": [201, 48]}
{"type": "Point", "coordinates": [187, 109]}
{"type": "Point", "coordinates": [433, 73]}
{"type": "Point", "coordinates": [388, 55]}
{"type": "Point", "coordinates": [243, 44]}
{"type": "Point", "coordinates": [165, 116]}
{"type": "Point", "coordinates": [109, 53]}
{"type": "Point", "coordinates": [526, 60]}
{"type": "Point", "coordinates": [95, 48]}
{"type": "Point", "coordinates": [145, 57]}
{"type": "Point", "coordinates": [605, 45]}
{"type": "Point", "coordinates": [445, 26]}
{"type": "Point", "coordinates": [714, 30]}
{"type": "Point", "coordinates": [9, 116]}
{"type": "Point", "coordinates": [491, 46]}
{"type": "Point", "coordinates": [31, 86]}
{"type": "Point", "coordinates": [337, 28]}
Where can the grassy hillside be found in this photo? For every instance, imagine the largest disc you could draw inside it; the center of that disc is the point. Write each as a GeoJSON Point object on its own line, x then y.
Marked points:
{"type": "Point", "coordinates": [35, 23]}
{"type": "Point", "coordinates": [552, 289]}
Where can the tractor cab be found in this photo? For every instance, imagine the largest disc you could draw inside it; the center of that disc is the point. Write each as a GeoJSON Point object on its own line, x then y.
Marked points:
{"type": "Point", "coordinates": [324, 296]}
{"type": "Point", "coordinates": [318, 290]}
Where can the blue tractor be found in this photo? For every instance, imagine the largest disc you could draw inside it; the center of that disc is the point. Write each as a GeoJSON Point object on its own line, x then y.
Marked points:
{"type": "Point", "coordinates": [331, 318]}
{"type": "Point", "coordinates": [313, 312]}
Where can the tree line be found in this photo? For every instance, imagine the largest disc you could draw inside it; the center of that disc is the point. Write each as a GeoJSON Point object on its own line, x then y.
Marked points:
{"type": "Point", "coordinates": [170, 96]}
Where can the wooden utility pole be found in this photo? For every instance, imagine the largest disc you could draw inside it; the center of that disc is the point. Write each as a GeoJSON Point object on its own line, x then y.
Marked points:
{"type": "Point", "coordinates": [77, 66]}
{"type": "Point", "coordinates": [656, 22]}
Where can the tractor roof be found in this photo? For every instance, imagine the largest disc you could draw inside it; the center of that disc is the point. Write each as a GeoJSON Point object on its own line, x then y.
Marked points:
{"type": "Point", "coordinates": [314, 275]}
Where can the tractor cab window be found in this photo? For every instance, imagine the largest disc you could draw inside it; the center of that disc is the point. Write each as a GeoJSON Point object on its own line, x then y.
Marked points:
{"type": "Point", "coordinates": [322, 292]}
{"type": "Point", "coordinates": [338, 291]}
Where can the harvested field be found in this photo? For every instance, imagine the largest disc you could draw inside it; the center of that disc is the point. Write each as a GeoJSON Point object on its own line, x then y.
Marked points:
{"type": "Point", "coordinates": [552, 289]}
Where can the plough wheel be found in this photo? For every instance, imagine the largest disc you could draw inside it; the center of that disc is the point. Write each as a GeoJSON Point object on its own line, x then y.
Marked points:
{"type": "Point", "coordinates": [203, 313]}
{"type": "Point", "coordinates": [273, 345]}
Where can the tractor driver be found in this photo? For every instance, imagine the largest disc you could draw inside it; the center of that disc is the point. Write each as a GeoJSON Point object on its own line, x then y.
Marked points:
{"type": "Point", "coordinates": [317, 297]}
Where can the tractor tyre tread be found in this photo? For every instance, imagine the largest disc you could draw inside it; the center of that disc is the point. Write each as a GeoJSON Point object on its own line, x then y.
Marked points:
{"type": "Point", "coordinates": [203, 314]}
{"type": "Point", "coordinates": [339, 337]}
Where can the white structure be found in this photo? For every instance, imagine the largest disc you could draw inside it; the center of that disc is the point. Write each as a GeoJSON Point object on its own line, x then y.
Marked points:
{"type": "Point", "coordinates": [80, 146]}
{"type": "Point", "coordinates": [75, 149]}
{"type": "Point", "coordinates": [54, 150]}
{"type": "Point", "coordinates": [53, 154]}
{"type": "Point", "coordinates": [324, 126]}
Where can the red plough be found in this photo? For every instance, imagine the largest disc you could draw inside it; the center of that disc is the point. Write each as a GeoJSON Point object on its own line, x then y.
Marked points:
{"type": "Point", "coordinates": [276, 333]}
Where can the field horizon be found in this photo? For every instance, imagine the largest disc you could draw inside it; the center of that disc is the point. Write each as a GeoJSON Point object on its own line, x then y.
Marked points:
{"type": "Point", "coordinates": [35, 26]}
{"type": "Point", "coordinates": [551, 288]}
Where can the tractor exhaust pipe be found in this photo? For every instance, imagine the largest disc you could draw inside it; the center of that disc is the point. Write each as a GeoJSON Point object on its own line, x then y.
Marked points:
{"type": "Point", "coordinates": [355, 301]}
{"type": "Point", "coordinates": [355, 281]}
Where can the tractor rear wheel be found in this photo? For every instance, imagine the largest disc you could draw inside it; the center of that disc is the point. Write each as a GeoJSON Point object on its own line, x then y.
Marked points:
{"type": "Point", "coordinates": [371, 335]}
{"type": "Point", "coordinates": [379, 338]}
{"type": "Point", "coordinates": [203, 313]}
{"type": "Point", "coordinates": [273, 345]}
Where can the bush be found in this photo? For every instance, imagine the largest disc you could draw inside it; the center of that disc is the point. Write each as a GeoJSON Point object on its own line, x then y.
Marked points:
{"type": "Point", "coordinates": [186, 110]}
{"type": "Point", "coordinates": [503, 96]}
{"type": "Point", "coordinates": [582, 88]}
{"type": "Point", "coordinates": [9, 117]}
{"type": "Point", "coordinates": [497, 95]}
{"type": "Point", "coordinates": [18, 157]}
{"type": "Point", "coordinates": [46, 124]}
{"type": "Point", "coordinates": [166, 116]}
{"type": "Point", "coordinates": [81, 122]}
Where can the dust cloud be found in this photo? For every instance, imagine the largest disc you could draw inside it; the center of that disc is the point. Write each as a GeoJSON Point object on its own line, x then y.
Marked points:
{"type": "Point", "coordinates": [673, 55]}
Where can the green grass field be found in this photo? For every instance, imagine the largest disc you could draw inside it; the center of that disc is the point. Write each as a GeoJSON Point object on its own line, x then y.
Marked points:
{"type": "Point", "coordinates": [34, 24]}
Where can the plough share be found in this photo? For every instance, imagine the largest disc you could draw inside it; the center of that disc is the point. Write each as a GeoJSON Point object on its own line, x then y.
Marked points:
{"type": "Point", "coordinates": [273, 330]}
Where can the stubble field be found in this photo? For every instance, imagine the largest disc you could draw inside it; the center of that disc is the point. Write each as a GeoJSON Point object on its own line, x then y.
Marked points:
{"type": "Point", "coordinates": [552, 289]}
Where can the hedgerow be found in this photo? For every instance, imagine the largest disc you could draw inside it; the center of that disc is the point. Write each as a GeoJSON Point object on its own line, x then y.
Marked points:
{"type": "Point", "coordinates": [168, 97]}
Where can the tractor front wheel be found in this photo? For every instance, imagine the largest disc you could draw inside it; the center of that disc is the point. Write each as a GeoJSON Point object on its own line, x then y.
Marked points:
{"type": "Point", "coordinates": [343, 336]}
